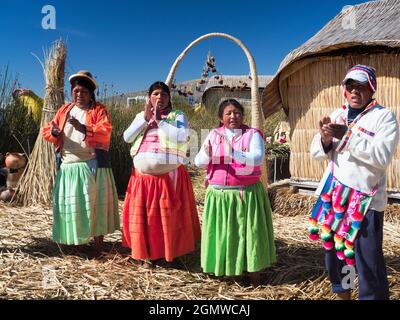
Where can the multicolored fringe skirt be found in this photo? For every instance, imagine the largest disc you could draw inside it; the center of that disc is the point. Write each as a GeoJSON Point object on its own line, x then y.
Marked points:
{"type": "Point", "coordinates": [83, 205]}
{"type": "Point", "coordinates": [160, 217]}
{"type": "Point", "coordinates": [340, 210]}
{"type": "Point", "coordinates": [237, 232]}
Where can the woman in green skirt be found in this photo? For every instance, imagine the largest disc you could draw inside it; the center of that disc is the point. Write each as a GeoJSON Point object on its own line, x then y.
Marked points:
{"type": "Point", "coordinates": [85, 201]}
{"type": "Point", "coordinates": [237, 233]}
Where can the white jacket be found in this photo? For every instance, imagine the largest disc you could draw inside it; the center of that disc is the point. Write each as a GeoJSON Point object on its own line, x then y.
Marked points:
{"type": "Point", "coordinates": [363, 161]}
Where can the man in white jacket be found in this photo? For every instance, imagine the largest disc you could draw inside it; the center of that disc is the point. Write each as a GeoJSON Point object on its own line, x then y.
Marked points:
{"type": "Point", "coordinates": [360, 140]}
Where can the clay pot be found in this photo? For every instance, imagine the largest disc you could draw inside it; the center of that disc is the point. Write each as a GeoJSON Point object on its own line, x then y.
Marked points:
{"type": "Point", "coordinates": [7, 195]}
{"type": "Point", "coordinates": [13, 177]}
{"type": "Point", "coordinates": [15, 160]}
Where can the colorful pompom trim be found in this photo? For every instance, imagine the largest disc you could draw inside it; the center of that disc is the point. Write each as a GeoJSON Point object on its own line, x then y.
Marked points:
{"type": "Point", "coordinates": [328, 245]}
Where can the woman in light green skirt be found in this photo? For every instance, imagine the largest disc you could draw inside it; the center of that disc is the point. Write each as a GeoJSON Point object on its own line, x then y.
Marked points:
{"type": "Point", "coordinates": [237, 232]}
{"type": "Point", "coordinates": [85, 201]}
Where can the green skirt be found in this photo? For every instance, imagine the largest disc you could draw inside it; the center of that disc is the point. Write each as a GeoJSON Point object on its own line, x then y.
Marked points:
{"type": "Point", "coordinates": [83, 205]}
{"type": "Point", "coordinates": [237, 233]}
{"type": "Point", "coordinates": [106, 216]}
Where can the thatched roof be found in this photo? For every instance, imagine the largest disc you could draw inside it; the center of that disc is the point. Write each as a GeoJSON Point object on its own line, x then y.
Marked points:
{"type": "Point", "coordinates": [376, 25]}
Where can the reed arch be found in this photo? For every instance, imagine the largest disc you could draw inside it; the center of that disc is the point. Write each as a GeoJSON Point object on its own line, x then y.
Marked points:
{"type": "Point", "coordinates": [256, 111]}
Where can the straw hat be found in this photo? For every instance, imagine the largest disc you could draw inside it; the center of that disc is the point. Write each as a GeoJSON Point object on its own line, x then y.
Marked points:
{"type": "Point", "coordinates": [83, 74]}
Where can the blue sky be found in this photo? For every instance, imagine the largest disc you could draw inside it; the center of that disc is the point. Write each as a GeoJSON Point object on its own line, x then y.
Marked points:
{"type": "Point", "coordinates": [130, 44]}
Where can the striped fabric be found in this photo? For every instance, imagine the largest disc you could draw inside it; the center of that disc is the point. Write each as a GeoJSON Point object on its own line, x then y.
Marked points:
{"type": "Point", "coordinates": [370, 133]}
{"type": "Point", "coordinates": [74, 200]}
{"type": "Point", "coordinates": [160, 218]}
{"type": "Point", "coordinates": [84, 205]}
{"type": "Point", "coordinates": [106, 216]}
{"type": "Point", "coordinates": [151, 142]}
{"type": "Point", "coordinates": [340, 210]}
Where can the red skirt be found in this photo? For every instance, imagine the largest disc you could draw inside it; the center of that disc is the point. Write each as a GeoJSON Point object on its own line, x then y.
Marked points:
{"type": "Point", "coordinates": [159, 222]}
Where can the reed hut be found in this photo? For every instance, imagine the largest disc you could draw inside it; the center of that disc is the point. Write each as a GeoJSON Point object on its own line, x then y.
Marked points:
{"type": "Point", "coordinates": [307, 83]}
{"type": "Point", "coordinates": [223, 87]}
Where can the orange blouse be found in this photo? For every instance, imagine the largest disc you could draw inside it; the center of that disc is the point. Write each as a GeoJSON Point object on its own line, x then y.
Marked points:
{"type": "Point", "coordinates": [98, 127]}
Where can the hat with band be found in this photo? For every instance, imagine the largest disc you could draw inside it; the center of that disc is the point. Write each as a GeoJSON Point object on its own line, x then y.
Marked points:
{"type": "Point", "coordinates": [362, 74]}
{"type": "Point", "coordinates": [83, 74]}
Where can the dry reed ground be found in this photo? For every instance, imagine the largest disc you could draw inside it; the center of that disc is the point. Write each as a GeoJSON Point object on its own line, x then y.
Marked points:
{"type": "Point", "coordinates": [26, 252]}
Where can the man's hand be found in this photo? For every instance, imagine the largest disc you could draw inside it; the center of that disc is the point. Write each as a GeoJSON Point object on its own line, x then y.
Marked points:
{"type": "Point", "coordinates": [325, 136]}
{"type": "Point", "coordinates": [335, 130]}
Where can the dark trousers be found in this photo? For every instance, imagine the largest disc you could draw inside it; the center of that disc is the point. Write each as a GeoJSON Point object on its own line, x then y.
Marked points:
{"type": "Point", "coordinates": [370, 263]}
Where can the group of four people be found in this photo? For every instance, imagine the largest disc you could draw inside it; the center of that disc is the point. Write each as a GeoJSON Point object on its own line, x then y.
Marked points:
{"type": "Point", "coordinates": [160, 219]}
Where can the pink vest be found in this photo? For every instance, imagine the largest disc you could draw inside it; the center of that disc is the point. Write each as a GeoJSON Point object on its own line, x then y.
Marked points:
{"type": "Point", "coordinates": [151, 140]}
{"type": "Point", "coordinates": [220, 171]}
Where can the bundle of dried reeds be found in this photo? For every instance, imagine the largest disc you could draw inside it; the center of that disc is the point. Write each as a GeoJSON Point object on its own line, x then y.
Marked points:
{"type": "Point", "coordinates": [286, 201]}
{"type": "Point", "coordinates": [36, 184]}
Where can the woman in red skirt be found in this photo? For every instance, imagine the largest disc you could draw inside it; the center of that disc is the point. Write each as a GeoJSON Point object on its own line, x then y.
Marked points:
{"type": "Point", "coordinates": [160, 219]}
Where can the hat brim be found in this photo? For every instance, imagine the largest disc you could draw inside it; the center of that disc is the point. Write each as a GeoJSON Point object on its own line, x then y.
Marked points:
{"type": "Point", "coordinates": [356, 80]}
{"type": "Point", "coordinates": [356, 75]}
{"type": "Point", "coordinates": [82, 76]}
